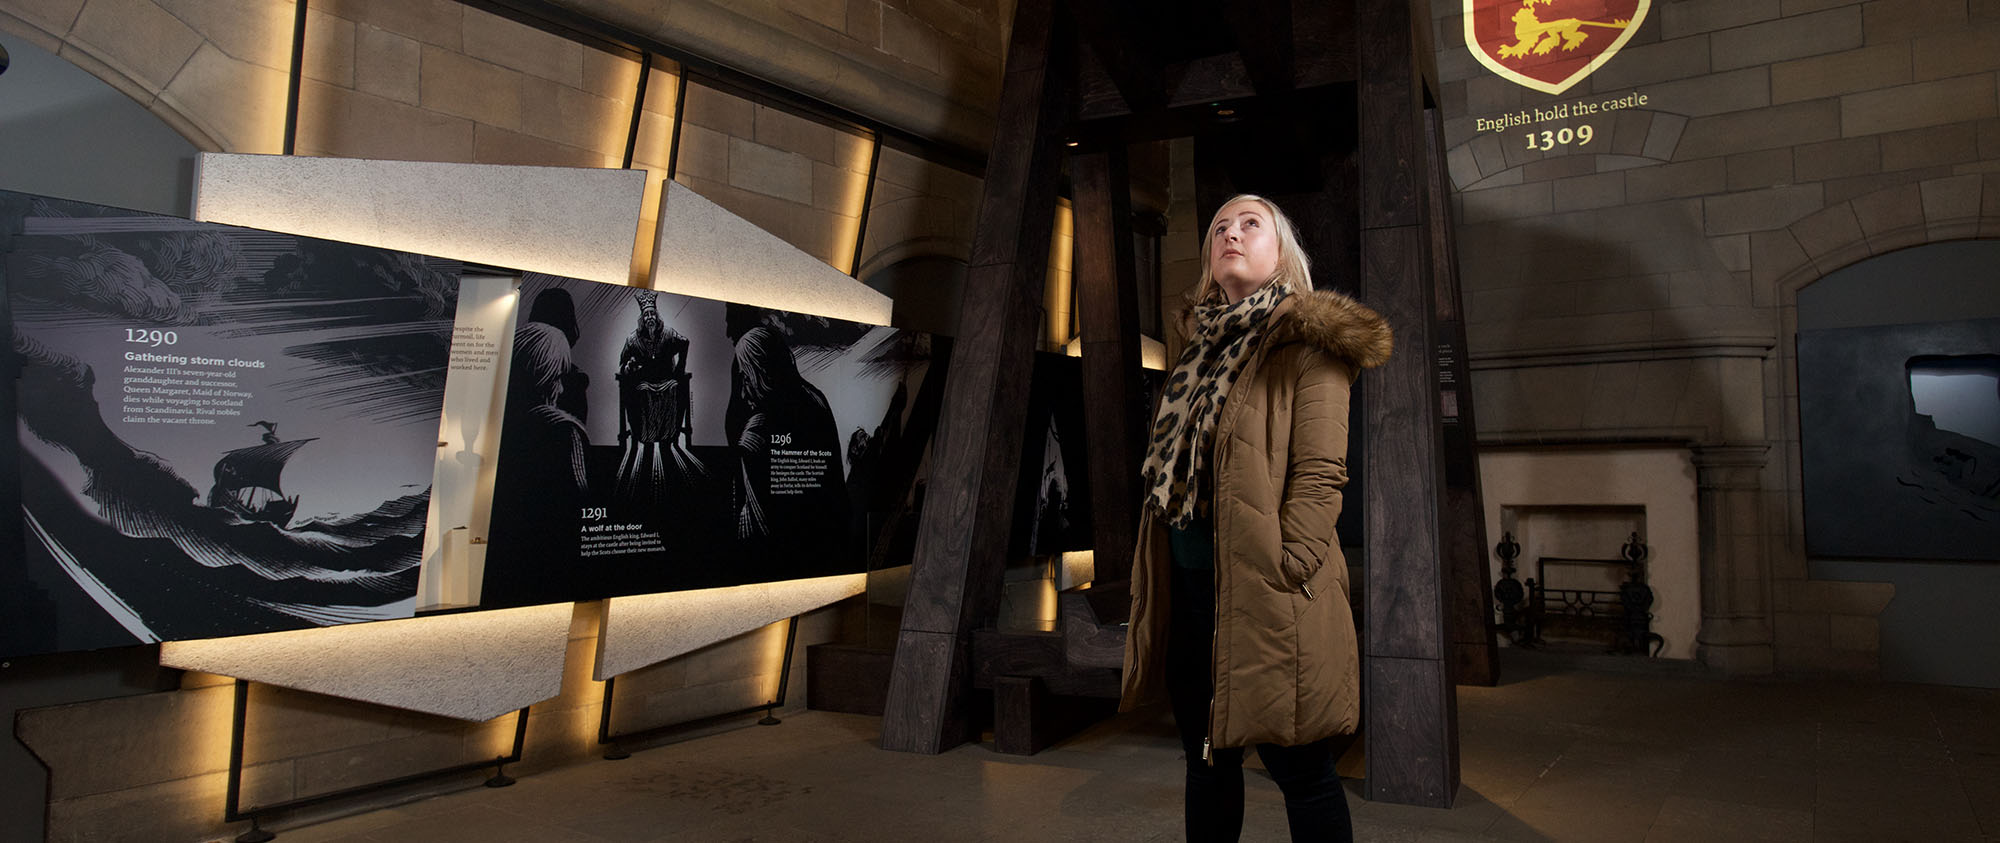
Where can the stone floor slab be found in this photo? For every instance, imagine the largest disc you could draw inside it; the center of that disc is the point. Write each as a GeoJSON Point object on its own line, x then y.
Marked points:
{"type": "Point", "coordinates": [1554, 753]}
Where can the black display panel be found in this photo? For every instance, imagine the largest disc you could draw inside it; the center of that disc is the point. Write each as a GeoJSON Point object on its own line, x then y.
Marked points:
{"type": "Point", "coordinates": [221, 431]}
{"type": "Point", "coordinates": [1900, 433]}
{"type": "Point", "coordinates": [1052, 511]}
{"type": "Point", "coordinates": [224, 431]}
{"type": "Point", "coordinates": [654, 442]}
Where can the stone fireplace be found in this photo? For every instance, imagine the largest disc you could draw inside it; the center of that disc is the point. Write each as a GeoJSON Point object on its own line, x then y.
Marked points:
{"type": "Point", "coordinates": [1582, 503]}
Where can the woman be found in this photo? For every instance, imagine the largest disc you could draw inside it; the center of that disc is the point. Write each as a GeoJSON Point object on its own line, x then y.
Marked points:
{"type": "Point", "coordinates": [1239, 590]}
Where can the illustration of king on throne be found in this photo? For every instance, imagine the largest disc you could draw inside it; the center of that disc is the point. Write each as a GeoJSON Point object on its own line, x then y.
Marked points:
{"type": "Point", "coordinates": [653, 380]}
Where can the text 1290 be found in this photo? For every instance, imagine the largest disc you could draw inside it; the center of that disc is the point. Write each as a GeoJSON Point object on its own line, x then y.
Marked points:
{"type": "Point", "coordinates": [153, 337]}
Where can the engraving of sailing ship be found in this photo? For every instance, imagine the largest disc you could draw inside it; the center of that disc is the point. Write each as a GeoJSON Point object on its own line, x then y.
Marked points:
{"type": "Point", "coordinates": [247, 480]}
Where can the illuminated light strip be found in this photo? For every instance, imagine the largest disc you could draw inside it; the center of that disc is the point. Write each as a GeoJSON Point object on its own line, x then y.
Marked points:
{"type": "Point", "coordinates": [111, 603]}
{"type": "Point", "coordinates": [867, 199]}
{"type": "Point", "coordinates": [1059, 282]}
{"type": "Point", "coordinates": [665, 149]}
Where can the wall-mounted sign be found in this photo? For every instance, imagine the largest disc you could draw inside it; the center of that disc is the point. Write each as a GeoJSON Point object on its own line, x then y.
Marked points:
{"type": "Point", "coordinates": [1899, 431]}
{"type": "Point", "coordinates": [217, 430]}
{"type": "Point", "coordinates": [1549, 45]}
{"type": "Point", "coordinates": [656, 442]}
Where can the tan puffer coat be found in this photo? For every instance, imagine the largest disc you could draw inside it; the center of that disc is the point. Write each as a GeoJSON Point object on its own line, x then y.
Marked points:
{"type": "Point", "coordinates": [1286, 667]}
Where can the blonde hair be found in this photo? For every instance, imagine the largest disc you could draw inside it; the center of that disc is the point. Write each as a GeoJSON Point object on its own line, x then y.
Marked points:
{"type": "Point", "coordinates": [1294, 270]}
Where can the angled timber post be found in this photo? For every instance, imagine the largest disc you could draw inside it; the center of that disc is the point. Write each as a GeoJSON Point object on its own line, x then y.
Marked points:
{"type": "Point", "coordinates": [1108, 307]}
{"type": "Point", "coordinates": [962, 542]}
{"type": "Point", "coordinates": [1410, 707]}
{"type": "Point", "coordinates": [1475, 654]}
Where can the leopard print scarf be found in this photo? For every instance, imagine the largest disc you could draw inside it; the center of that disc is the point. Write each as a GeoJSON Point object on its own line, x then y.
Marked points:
{"type": "Point", "coordinates": [1183, 443]}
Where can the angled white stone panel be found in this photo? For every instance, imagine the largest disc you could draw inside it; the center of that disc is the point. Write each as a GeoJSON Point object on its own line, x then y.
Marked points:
{"type": "Point", "coordinates": [576, 222]}
{"type": "Point", "coordinates": [651, 628]}
{"type": "Point", "coordinates": [704, 250]}
{"type": "Point", "coordinates": [473, 666]}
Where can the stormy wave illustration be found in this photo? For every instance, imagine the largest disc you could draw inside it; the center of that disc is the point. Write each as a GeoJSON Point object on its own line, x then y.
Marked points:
{"type": "Point", "coordinates": [140, 497]}
{"type": "Point", "coordinates": [123, 543]}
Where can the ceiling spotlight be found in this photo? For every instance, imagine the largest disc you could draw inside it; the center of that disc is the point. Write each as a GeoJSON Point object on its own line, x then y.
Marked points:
{"type": "Point", "coordinates": [1225, 112]}
{"type": "Point", "coordinates": [1071, 143]}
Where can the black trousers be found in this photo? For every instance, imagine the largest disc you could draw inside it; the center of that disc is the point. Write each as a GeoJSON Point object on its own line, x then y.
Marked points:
{"type": "Point", "coordinates": [1315, 803]}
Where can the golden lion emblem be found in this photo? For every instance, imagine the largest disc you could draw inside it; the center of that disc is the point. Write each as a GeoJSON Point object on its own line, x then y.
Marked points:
{"type": "Point", "coordinates": [1532, 34]}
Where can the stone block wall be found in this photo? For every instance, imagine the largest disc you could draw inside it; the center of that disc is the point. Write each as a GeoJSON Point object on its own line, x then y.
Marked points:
{"type": "Point", "coordinates": [1830, 625]}
{"type": "Point", "coordinates": [798, 179]}
{"type": "Point", "coordinates": [919, 209]}
{"type": "Point", "coordinates": [1641, 285]}
{"type": "Point", "coordinates": [435, 80]}
{"type": "Point", "coordinates": [214, 70]}
{"type": "Point", "coordinates": [928, 66]}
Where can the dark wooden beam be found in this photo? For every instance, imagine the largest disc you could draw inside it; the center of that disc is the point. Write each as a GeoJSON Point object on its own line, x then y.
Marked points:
{"type": "Point", "coordinates": [1389, 103]}
{"type": "Point", "coordinates": [1114, 409]}
{"type": "Point", "coordinates": [1409, 700]}
{"type": "Point", "coordinates": [1410, 707]}
{"type": "Point", "coordinates": [1029, 717]}
{"type": "Point", "coordinates": [962, 542]}
{"type": "Point", "coordinates": [1322, 52]}
{"type": "Point", "coordinates": [559, 18]}
{"type": "Point", "coordinates": [1186, 84]}
{"type": "Point", "coordinates": [1475, 654]}
{"type": "Point", "coordinates": [847, 678]}
{"type": "Point", "coordinates": [1208, 80]}
{"type": "Point", "coordinates": [1425, 741]}
{"type": "Point", "coordinates": [1131, 64]}
{"type": "Point", "coordinates": [1324, 208]}
{"type": "Point", "coordinates": [1422, 29]}
{"type": "Point", "coordinates": [1323, 48]}
{"type": "Point", "coordinates": [1039, 654]}
{"type": "Point", "coordinates": [1263, 31]}
{"type": "Point", "coordinates": [1405, 615]}
{"type": "Point", "coordinates": [1300, 144]}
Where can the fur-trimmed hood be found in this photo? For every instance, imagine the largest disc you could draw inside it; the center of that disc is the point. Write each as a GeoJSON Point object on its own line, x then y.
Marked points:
{"type": "Point", "coordinates": [1343, 327]}
{"type": "Point", "coordinates": [1334, 322]}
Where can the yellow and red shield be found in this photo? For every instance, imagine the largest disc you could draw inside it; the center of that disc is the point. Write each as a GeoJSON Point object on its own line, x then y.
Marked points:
{"type": "Point", "coordinates": [1549, 45]}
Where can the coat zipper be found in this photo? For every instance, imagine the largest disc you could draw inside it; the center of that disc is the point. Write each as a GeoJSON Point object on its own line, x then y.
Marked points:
{"type": "Point", "coordinates": [1214, 622]}
{"type": "Point", "coordinates": [1214, 637]}
{"type": "Point", "coordinates": [1254, 362]}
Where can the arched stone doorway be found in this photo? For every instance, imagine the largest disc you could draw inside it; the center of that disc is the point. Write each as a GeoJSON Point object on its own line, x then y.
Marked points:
{"type": "Point", "coordinates": [69, 134]}
{"type": "Point", "coordinates": [1831, 617]}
